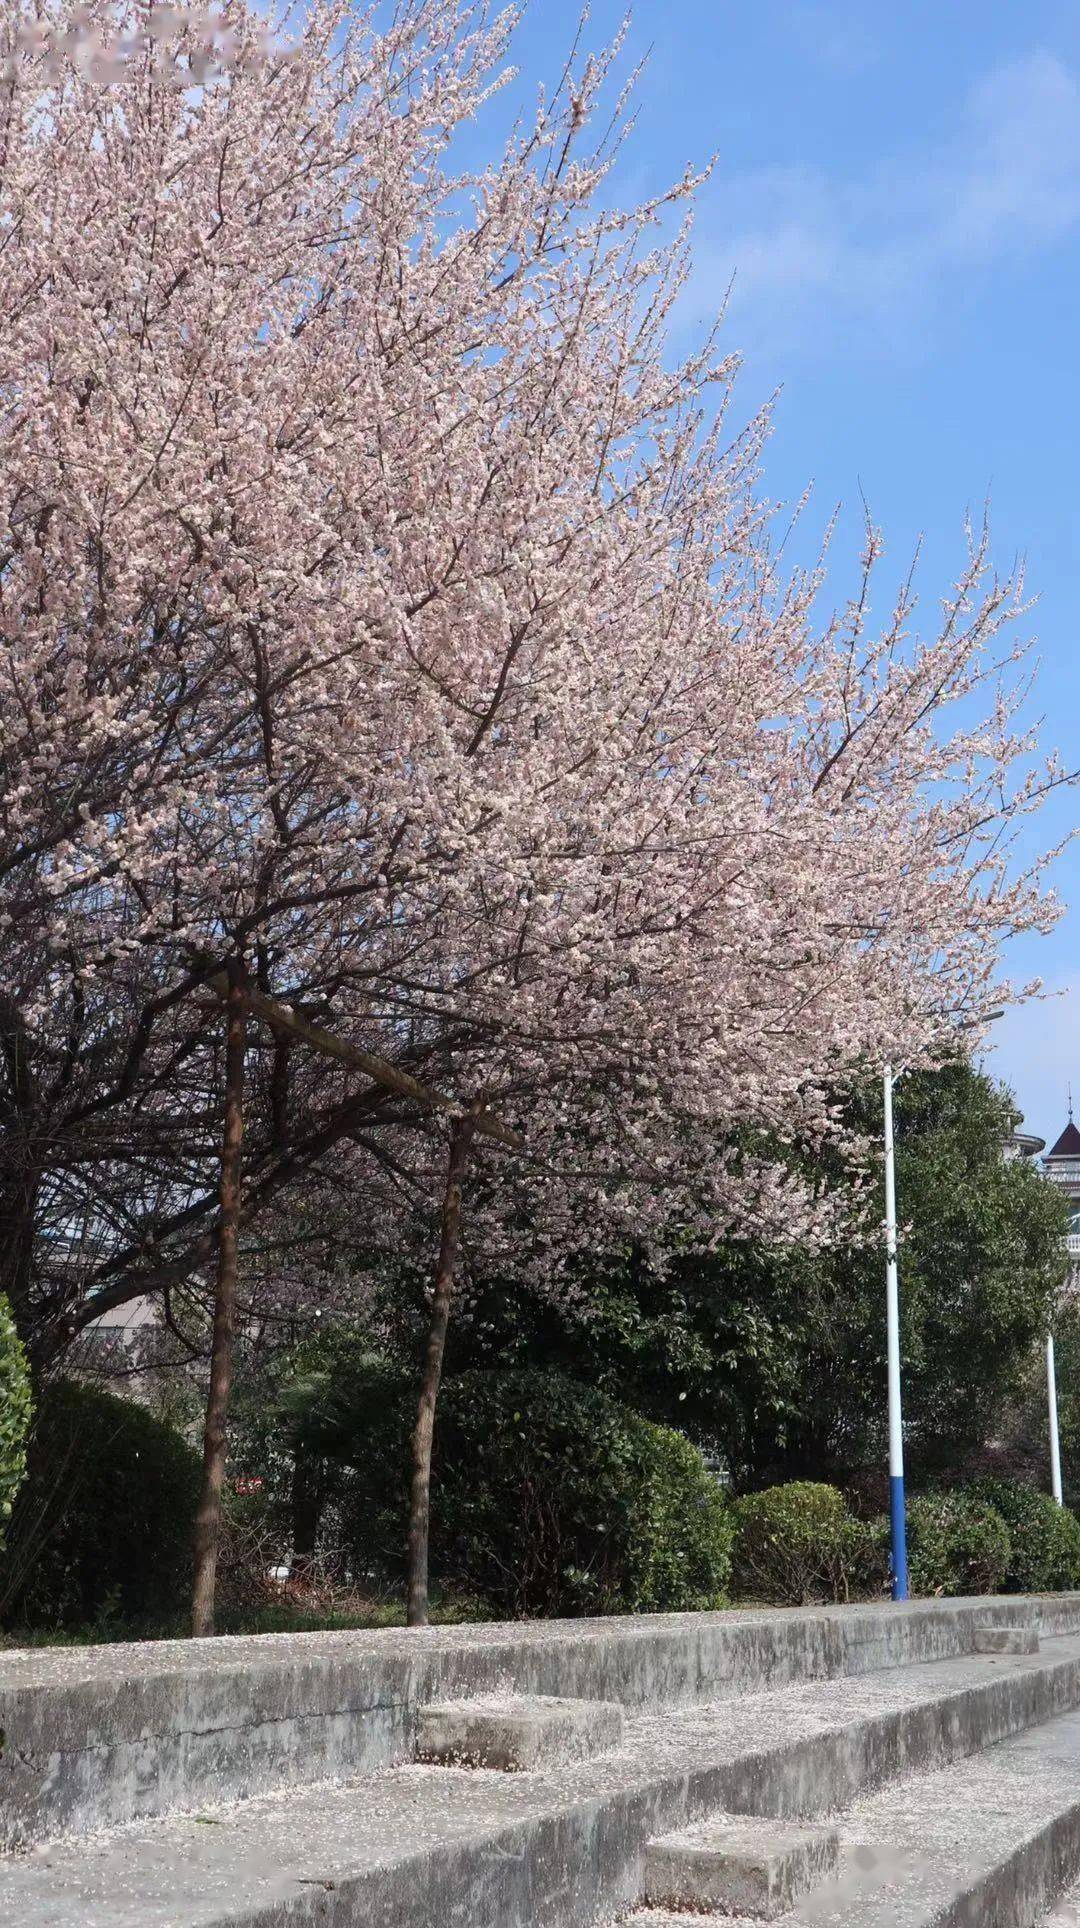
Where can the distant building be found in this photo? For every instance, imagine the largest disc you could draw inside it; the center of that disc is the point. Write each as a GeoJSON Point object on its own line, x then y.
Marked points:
{"type": "Point", "coordinates": [1023, 1144]}
{"type": "Point", "coordinates": [1062, 1166]}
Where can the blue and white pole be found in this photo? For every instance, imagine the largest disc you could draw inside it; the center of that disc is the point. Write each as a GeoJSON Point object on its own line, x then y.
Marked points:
{"type": "Point", "coordinates": [897, 1512]}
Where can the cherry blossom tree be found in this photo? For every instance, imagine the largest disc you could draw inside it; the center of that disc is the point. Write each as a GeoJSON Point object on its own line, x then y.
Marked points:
{"type": "Point", "coordinates": [390, 613]}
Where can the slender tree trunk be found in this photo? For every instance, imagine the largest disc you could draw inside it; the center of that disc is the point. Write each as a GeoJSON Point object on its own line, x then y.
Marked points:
{"type": "Point", "coordinates": [420, 1498]}
{"type": "Point", "coordinates": [215, 1435]}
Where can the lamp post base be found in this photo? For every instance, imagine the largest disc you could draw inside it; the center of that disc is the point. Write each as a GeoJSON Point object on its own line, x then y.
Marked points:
{"type": "Point", "coordinates": [898, 1521]}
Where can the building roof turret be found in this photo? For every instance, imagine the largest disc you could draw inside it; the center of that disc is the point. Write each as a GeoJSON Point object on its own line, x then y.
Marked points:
{"type": "Point", "coordinates": [1068, 1145]}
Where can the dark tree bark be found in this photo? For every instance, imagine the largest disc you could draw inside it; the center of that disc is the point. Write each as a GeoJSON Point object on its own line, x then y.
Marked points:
{"type": "Point", "coordinates": [215, 1436]}
{"type": "Point", "coordinates": [449, 1245]}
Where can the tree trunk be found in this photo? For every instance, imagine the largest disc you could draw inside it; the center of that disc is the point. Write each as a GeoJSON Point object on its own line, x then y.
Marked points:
{"type": "Point", "coordinates": [420, 1498]}
{"type": "Point", "coordinates": [215, 1435]}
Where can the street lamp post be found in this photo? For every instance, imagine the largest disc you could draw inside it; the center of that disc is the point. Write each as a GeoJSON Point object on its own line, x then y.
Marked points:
{"type": "Point", "coordinates": [1051, 1399]}
{"type": "Point", "coordinates": [897, 1513]}
{"type": "Point", "coordinates": [897, 1508]}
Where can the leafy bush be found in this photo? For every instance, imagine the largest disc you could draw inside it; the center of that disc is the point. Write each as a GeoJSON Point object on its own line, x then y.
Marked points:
{"type": "Point", "coordinates": [547, 1498]}
{"type": "Point", "coordinates": [552, 1498]}
{"type": "Point", "coordinates": [679, 1551]}
{"type": "Point", "coordinates": [799, 1543]}
{"type": "Point", "coordinates": [1044, 1537]}
{"type": "Point", "coordinates": [102, 1526]}
{"type": "Point", "coordinates": [14, 1414]}
{"type": "Point", "coordinates": [957, 1544]}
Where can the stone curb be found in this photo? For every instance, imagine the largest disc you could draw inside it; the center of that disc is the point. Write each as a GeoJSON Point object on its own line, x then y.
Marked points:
{"type": "Point", "coordinates": [99, 1736]}
{"type": "Point", "coordinates": [564, 1849]}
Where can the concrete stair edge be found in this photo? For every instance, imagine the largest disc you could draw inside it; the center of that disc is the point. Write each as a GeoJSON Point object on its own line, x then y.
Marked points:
{"type": "Point", "coordinates": [582, 1845]}
{"type": "Point", "coordinates": [96, 1737]}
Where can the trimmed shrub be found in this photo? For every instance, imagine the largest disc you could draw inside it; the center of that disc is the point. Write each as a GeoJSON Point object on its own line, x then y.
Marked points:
{"type": "Point", "coordinates": [679, 1550]}
{"type": "Point", "coordinates": [1044, 1538]}
{"type": "Point", "coordinates": [867, 1560]}
{"type": "Point", "coordinates": [957, 1544]}
{"type": "Point", "coordinates": [15, 1409]}
{"type": "Point", "coordinates": [552, 1498]}
{"type": "Point", "coordinates": [799, 1543]}
{"type": "Point", "coordinates": [101, 1530]}
{"type": "Point", "coordinates": [547, 1498]}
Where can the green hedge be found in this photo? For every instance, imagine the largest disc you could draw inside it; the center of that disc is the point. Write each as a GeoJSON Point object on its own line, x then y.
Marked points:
{"type": "Point", "coordinates": [1044, 1538]}
{"type": "Point", "coordinates": [957, 1544]}
{"type": "Point", "coordinates": [547, 1498]}
{"type": "Point", "coordinates": [552, 1498]}
{"type": "Point", "coordinates": [679, 1552]}
{"type": "Point", "coordinates": [799, 1543]}
{"type": "Point", "coordinates": [15, 1409]}
{"type": "Point", "coordinates": [101, 1528]}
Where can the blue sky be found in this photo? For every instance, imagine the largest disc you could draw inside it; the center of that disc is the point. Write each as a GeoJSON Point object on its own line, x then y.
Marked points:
{"type": "Point", "coordinates": [897, 193]}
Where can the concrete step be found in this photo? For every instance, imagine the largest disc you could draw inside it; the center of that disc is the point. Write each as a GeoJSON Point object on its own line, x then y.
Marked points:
{"type": "Point", "coordinates": [100, 1736]}
{"type": "Point", "coordinates": [739, 1864]}
{"type": "Point", "coordinates": [989, 1843]}
{"type": "Point", "coordinates": [1006, 1640]}
{"type": "Point", "coordinates": [430, 1847]}
{"type": "Point", "coordinates": [517, 1733]}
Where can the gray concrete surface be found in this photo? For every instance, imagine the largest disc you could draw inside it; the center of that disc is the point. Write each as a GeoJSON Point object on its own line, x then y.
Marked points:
{"type": "Point", "coordinates": [100, 1736]}
{"type": "Point", "coordinates": [419, 1847]}
{"type": "Point", "coordinates": [517, 1735]}
{"type": "Point", "coordinates": [988, 1843]}
{"type": "Point", "coordinates": [1065, 1915]}
{"type": "Point", "coordinates": [1006, 1640]}
{"type": "Point", "coordinates": [738, 1864]}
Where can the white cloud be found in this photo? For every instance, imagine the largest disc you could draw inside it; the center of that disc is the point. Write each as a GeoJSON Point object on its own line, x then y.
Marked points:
{"type": "Point", "coordinates": [813, 255]}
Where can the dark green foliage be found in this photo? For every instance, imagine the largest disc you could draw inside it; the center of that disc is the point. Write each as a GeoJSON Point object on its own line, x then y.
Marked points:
{"type": "Point", "coordinates": [554, 1499]}
{"type": "Point", "coordinates": [15, 1409]}
{"type": "Point", "coordinates": [298, 1426]}
{"type": "Point", "coordinates": [775, 1359]}
{"type": "Point", "coordinates": [548, 1497]}
{"type": "Point", "coordinates": [344, 1414]}
{"type": "Point", "coordinates": [980, 1266]}
{"type": "Point", "coordinates": [1044, 1537]}
{"type": "Point", "coordinates": [799, 1543]}
{"type": "Point", "coordinates": [102, 1525]}
{"type": "Point", "coordinates": [957, 1544]}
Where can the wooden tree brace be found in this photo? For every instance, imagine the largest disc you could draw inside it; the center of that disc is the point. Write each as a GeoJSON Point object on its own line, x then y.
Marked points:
{"type": "Point", "coordinates": [380, 1070]}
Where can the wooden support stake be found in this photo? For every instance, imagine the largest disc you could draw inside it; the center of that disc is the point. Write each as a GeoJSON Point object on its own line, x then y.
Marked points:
{"type": "Point", "coordinates": [215, 1436]}
{"type": "Point", "coordinates": [424, 1432]}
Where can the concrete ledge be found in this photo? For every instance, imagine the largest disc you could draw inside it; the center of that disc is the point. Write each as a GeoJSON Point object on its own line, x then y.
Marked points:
{"type": "Point", "coordinates": [988, 1843]}
{"type": "Point", "coordinates": [100, 1735]}
{"type": "Point", "coordinates": [1006, 1640]}
{"type": "Point", "coordinates": [739, 1866]}
{"type": "Point", "coordinates": [517, 1735]}
{"type": "Point", "coordinates": [423, 1847]}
